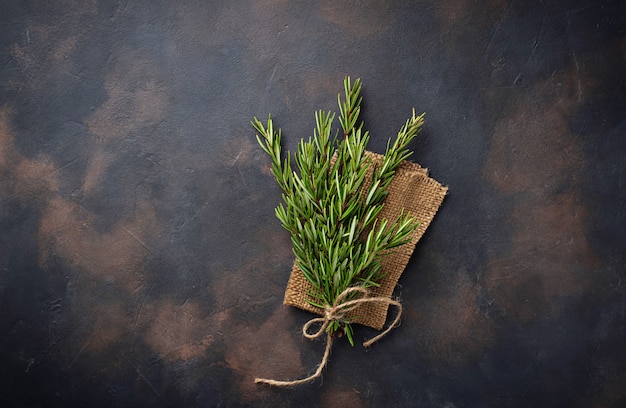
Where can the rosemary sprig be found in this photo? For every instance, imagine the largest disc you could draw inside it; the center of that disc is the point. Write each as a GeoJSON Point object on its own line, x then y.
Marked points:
{"type": "Point", "coordinates": [328, 206]}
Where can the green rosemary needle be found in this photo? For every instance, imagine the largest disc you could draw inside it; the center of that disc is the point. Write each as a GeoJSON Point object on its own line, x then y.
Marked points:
{"type": "Point", "coordinates": [331, 205]}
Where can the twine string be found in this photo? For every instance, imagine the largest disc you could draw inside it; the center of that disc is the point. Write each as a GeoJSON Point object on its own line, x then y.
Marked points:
{"type": "Point", "coordinates": [337, 312]}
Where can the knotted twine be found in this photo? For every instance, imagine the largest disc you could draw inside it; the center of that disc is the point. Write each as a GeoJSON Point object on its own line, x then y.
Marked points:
{"type": "Point", "coordinates": [410, 190]}
{"type": "Point", "coordinates": [337, 312]}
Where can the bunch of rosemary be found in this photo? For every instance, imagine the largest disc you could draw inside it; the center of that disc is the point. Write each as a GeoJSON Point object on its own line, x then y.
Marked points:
{"type": "Point", "coordinates": [331, 204]}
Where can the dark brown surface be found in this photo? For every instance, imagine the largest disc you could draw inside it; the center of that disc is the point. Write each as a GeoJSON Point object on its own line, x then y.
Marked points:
{"type": "Point", "coordinates": [140, 261]}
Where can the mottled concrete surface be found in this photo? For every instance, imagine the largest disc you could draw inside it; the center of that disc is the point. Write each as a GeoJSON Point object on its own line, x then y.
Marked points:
{"type": "Point", "coordinates": [140, 260]}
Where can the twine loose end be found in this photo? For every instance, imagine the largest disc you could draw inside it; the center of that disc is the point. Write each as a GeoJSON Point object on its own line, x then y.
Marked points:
{"type": "Point", "coordinates": [336, 312]}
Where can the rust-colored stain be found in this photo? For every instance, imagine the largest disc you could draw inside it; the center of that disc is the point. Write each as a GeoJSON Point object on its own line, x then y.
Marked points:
{"type": "Point", "coordinates": [268, 351]}
{"type": "Point", "coordinates": [452, 327]}
{"type": "Point", "coordinates": [33, 178]}
{"type": "Point", "coordinates": [179, 332]}
{"type": "Point", "coordinates": [342, 398]}
{"type": "Point", "coordinates": [50, 46]}
{"type": "Point", "coordinates": [534, 159]}
{"type": "Point", "coordinates": [134, 99]}
{"type": "Point", "coordinates": [112, 324]}
{"type": "Point", "coordinates": [115, 256]}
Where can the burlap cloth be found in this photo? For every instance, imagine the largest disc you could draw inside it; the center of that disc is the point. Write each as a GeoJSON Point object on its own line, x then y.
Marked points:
{"type": "Point", "coordinates": [411, 190]}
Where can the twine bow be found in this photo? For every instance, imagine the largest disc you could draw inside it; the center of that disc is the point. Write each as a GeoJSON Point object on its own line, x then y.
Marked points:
{"type": "Point", "coordinates": [337, 312]}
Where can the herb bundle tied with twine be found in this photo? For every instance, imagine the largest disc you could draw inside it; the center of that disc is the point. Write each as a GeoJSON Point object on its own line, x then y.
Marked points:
{"type": "Point", "coordinates": [332, 208]}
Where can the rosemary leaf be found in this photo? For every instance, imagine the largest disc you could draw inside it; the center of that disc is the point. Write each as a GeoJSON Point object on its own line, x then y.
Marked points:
{"type": "Point", "coordinates": [328, 208]}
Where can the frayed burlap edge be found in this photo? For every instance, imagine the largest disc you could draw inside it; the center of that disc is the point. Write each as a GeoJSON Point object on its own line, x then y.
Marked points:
{"type": "Point", "coordinates": [411, 190]}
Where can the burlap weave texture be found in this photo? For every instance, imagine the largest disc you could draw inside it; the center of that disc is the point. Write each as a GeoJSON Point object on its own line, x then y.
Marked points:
{"type": "Point", "coordinates": [411, 190]}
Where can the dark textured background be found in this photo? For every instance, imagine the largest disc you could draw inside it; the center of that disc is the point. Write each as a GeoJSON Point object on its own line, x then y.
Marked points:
{"type": "Point", "coordinates": [140, 260]}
